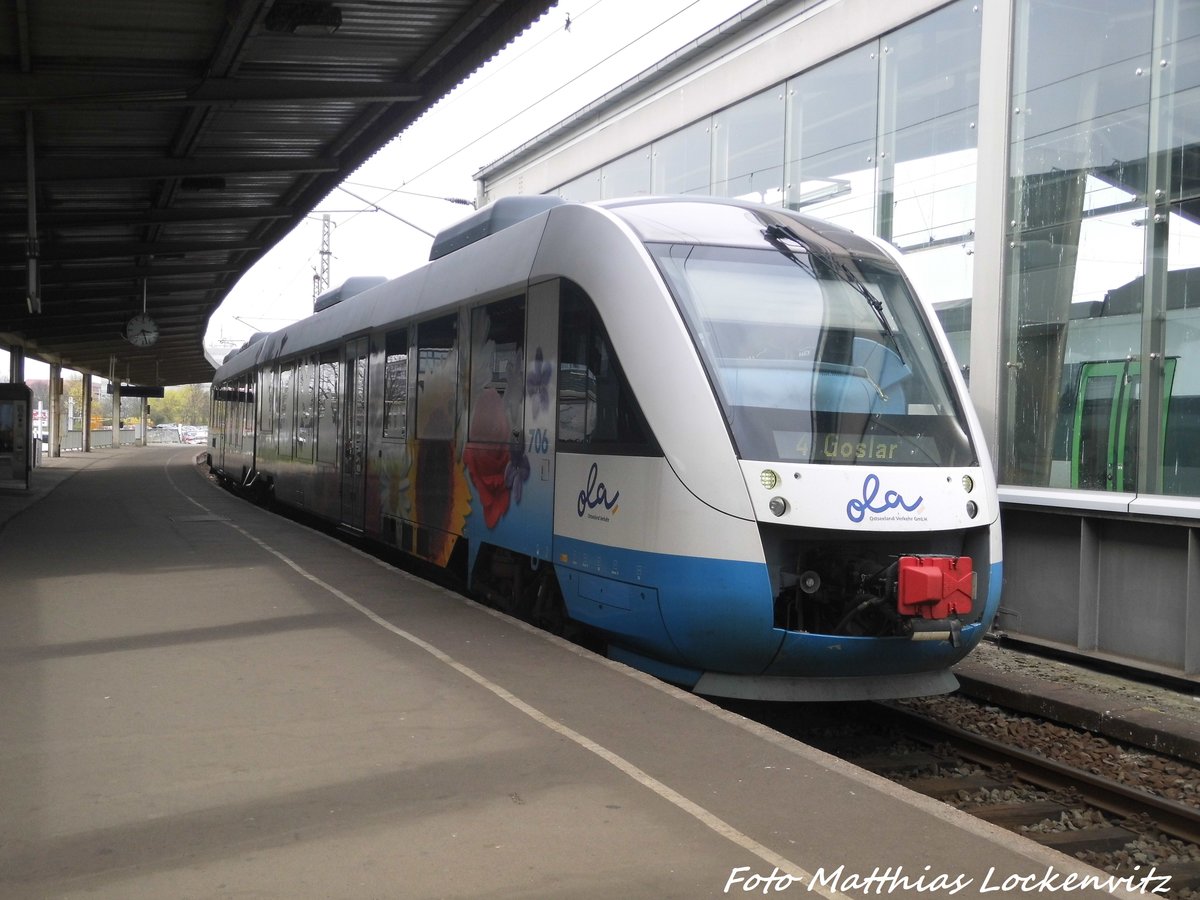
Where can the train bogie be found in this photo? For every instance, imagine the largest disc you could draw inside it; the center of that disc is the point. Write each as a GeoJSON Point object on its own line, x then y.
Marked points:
{"type": "Point", "coordinates": [721, 439]}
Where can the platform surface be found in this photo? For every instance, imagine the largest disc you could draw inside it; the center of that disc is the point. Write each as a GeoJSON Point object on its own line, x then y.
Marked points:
{"type": "Point", "coordinates": [200, 699]}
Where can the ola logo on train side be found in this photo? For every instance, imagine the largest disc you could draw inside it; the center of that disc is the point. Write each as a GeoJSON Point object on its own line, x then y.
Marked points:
{"type": "Point", "coordinates": [596, 495]}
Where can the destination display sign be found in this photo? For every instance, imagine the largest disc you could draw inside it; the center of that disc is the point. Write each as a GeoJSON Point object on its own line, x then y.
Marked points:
{"type": "Point", "coordinates": [850, 448]}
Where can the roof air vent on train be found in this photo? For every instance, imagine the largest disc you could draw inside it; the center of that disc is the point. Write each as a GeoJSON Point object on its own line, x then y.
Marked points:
{"type": "Point", "coordinates": [492, 218]}
{"type": "Point", "coordinates": [348, 289]}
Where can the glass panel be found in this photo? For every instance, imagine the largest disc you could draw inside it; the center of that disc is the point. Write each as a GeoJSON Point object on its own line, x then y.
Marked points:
{"type": "Point", "coordinates": [395, 384]}
{"type": "Point", "coordinates": [628, 176]}
{"type": "Point", "coordinates": [286, 377]}
{"type": "Point", "coordinates": [437, 378]}
{"type": "Point", "coordinates": [266, 406]}
{"type": "Point", "coordinates": [1080, 132]}
{"type": "Point", "coordinates": [596, 408]}
{"type": "Point", "coordinates": [356, 423]}
{"type": "Point", "coordinates": [327, 408]}
{"type": "Point", "coordinates": [831, 114]}
{"type": "Point", "coordinates": [8, 417]}
{"type": "Point", "coordinates": [927, 148]}
{"type": "Point", "coordinates": [1180, 113]}
{"type": "Point", "coordinates": [930, 102]}
{"type": "Point", "coordinates": [680, 162]}
{"type": "Point", "coordinates": [498, 372]}
{"type": "Point", "coordinates": [1125, 451]}
{"type": "Point", "coordinates": [815, 362]}
{"type": "Point", "coordinates": [494, 455]}
{"type": "Point", "coordinates": [1094, 428]}
{"type": "Point", "coordinates": [583, 189]}
{"type": "Point", "coordinates": [748, 149]}
{"type": "Point", "coordinates": [247, 400]}
{"type": "Point", "coordinates": [305, 409]}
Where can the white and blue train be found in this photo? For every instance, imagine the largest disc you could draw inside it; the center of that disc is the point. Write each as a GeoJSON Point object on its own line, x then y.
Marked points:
{"type": "Point", "coordinates": [723, 438]}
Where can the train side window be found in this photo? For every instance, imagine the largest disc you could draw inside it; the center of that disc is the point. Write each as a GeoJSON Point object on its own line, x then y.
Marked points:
{"type": "Point", "coordinates": [498, 372]}
{"type": "Point", "coordinates": [437, 378]}
{"type": "Point", "coordinates": [597, 409]}
{"type": "Point", "coordinates": [246, 396]}
{"type": "Point", "coordinates": [287, 375]}
{"type": "Point", "coordinates": [305, 408]}
{"type": "Point", "coordinates": [395, 384]}
{"type": "Point", "coordinates": [266, 394]}
{"type": "Point", "coordinates": [327, 407]}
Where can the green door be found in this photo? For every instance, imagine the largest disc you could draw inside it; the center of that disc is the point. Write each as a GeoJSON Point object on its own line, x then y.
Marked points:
{"type": "Point", "coordinates": [1104, 446]}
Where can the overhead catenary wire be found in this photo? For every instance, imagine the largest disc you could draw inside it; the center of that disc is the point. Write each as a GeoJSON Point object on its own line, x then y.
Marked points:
{"type": "Point", "coordinates": [558, 89]}
{"type": "Point", "coordinates": [375, 206]}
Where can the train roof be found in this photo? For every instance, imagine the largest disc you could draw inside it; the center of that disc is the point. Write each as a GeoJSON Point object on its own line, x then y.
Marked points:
{"type": "Point", "coordinates": [503, 213]}
{"type": "Point", "coordinates": [501, 239]}
{"type": "Point", "coordinates": [729, 222]}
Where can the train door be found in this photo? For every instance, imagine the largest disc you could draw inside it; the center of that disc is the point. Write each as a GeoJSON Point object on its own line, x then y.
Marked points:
{"type": "Point", "coordinates": [1104, 451]}
{"type": "Point", "coordinates": [509, 452]}
{"type": "Point", "coordinates": [354, 439]}
{"type": "Point", "coordinates": [541, 388]}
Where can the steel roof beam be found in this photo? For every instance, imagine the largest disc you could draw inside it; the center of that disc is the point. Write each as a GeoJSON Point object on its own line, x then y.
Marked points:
{"type": "Point", "coordinates": [138, 168]}
{"type": "Point", "coordinates": [76, 219]}
{"type": "Point", "coordinates": [78, 250]}
{"type": "Point", "coordinates": [79, 91]}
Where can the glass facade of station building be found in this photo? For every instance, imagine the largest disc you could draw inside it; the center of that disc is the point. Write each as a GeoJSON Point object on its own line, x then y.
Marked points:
{"type": "Point", "coordinates": [1102, 277]}
{"type": "Point", "coordinates": [1057, 143]}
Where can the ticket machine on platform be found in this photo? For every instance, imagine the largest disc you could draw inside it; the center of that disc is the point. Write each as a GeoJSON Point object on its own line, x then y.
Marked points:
{"type": "Point", "coordinates": [16, 434]}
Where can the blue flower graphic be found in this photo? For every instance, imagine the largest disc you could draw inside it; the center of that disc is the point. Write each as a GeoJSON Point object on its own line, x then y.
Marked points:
{"type": "Point", "coordinates": [537, 383]}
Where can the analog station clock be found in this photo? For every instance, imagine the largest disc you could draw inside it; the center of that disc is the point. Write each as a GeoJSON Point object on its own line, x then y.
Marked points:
{"type": "Point", "coordinates": [141, 330]}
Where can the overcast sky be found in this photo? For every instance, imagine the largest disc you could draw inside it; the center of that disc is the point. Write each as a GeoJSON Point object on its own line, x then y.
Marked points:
{"type": "Point", "coordinates": [537, 81]}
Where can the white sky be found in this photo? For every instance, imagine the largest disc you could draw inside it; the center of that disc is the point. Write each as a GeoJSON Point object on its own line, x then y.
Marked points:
{"type": "Point", "coordinates": [540, 79]}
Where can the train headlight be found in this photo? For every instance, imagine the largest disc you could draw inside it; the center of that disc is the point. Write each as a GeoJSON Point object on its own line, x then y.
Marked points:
{"type": "Point", "coordinates": [968, 483]}
{"type": "Point", "coordinates": [768, 479]}
{"type": "Point", "coordinates": [778, 505]}
{"type": "Point", "coordinates": [972, 509]}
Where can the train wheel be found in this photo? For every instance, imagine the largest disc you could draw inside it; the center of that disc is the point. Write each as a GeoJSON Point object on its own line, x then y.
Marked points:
{"type": "Point", "coordinates": [547, 610]}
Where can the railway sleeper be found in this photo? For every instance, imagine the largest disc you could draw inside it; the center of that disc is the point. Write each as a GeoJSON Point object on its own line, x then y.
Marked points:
{"type": "Point", "coordinates": [1102, 839]}
{"type": "Point", "coordinates": [1011, 815]}
{"type": "Point", "coordinates": [947, 786]}
{"type": "Point", "coordinates": [884, 763]}
{"type": "Point", "coordinates": [1183, 874]}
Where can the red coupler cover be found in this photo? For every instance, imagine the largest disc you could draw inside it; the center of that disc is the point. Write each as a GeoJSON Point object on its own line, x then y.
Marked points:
{"type": "Point", "coordinates": [935, 587]}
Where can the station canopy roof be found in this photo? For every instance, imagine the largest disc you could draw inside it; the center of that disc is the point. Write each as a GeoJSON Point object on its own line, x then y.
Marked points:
{"type": "Point", "coordinates": [154, 150]}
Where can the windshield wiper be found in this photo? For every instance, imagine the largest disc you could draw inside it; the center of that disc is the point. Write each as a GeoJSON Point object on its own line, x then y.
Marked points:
{"type": "Point", "coordinates": [776, 234]}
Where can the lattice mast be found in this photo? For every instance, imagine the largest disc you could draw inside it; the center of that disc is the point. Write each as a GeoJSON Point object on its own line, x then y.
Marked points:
{"type": "Point", "coordinates": [321, 277]}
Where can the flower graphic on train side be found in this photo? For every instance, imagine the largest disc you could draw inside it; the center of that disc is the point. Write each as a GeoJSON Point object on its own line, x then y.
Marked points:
{"type": "Point", "coordinates": [497, 466]}
{"type": "Point", "coordinates": [395, 484]}
{"type": "Point", "coordinates": [537, 383]}
{"type": "Point", "coordinates": [516, 473]}
{"type": "Point", "coordinates": [487, 467]}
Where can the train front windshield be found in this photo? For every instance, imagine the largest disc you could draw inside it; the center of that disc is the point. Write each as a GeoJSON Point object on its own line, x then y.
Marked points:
{"type": "Point", "coordinates": [817, 359]}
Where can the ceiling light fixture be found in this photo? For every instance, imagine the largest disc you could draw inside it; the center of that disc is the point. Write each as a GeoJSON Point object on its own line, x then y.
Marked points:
{"type": "Point", "coordinates": [303, 17]}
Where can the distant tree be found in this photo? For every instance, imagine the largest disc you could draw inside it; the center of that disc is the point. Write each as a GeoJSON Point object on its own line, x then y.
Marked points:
{"type": "Point", "coordinates": [41, 391]}
{"type": "Point", "coordinates": [186, 404]}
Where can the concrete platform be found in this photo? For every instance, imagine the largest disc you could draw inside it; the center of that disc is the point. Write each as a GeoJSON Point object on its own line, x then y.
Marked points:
{"type": "Point", "coordinates": [1136, 712]}
{"type": "Point", "coordinates": [200, 699]}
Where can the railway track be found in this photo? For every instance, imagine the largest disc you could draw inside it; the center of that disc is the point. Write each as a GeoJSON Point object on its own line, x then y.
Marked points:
{"type": "Point", "coordinates": [1090, 816]}
{"type": "Point", "coordinates": [1045, 795]}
